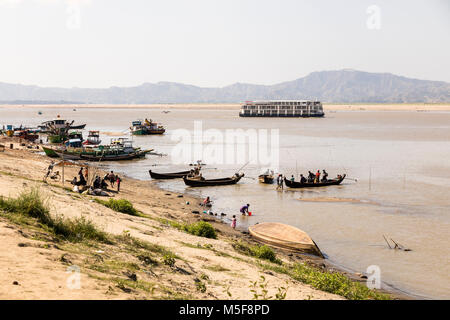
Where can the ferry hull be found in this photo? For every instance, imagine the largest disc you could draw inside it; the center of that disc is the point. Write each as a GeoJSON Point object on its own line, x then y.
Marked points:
{"type": "Point", "coordinates": [280, 116]}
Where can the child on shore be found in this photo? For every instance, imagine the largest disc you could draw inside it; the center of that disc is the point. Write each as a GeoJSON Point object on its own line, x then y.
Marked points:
{"type": "Point", "coordinates": [233, 222]}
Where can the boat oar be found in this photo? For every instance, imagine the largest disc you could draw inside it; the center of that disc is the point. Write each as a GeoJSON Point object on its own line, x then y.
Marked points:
{"type": "Point", "coordinates": [353, 179]}
{"type": "Point", "coordinates": [248, 178]}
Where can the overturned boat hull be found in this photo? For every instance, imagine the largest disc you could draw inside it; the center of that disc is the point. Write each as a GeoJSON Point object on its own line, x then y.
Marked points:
{"type": "Point", "coordinates": [284, 236]}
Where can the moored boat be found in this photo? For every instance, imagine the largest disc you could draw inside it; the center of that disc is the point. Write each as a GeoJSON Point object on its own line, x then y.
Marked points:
{"type": "Point", "coordinates": [173, 175]}
{"type": "Point", "coordinates": [201, 182]}
{"type": "Point", "coordinates": [147, 127]}
{"type": "Point", "coordinates": [93, 138]}
{"type": "Point", "coordinates": [331, 182]}
{"type": "Point", "coordinates": [103, 153]}
{"type": "Point", "coordinates": [284, 236]}
{"type": "Point", "coordinates": [25, 134]}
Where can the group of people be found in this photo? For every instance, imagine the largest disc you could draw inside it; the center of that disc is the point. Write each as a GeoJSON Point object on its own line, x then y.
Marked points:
{"type": "Point", "coordinates": [312, 178]}
{"type": "Point", "coordinates": [98, 183]}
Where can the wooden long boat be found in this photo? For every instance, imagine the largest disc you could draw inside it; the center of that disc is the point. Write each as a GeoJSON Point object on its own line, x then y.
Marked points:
{"type": "Point", "coordinates": [296, 184]}
{"type": "Point", "coordinates": [196, 182]}
{"type": "Point", "coordinates": [94, 155]}
{"type": "Point", "coordinates": [284, 236]}
{"type": "Point", "coordinates": [172, 175]}
{"type": "Point", "coordinates": [266, 178]}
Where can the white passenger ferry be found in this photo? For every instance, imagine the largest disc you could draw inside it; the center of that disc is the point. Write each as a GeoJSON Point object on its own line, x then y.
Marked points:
{"type": "Point", "coordinates": [282, 108]}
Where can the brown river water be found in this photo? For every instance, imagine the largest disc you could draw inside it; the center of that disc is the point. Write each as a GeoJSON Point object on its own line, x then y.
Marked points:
{"type": "Point", "coordinates": [401, 161]}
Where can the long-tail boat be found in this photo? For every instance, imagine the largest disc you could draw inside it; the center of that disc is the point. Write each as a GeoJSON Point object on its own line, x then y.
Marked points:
{"type": "Point", "coordinates": [331, 182]}
{"type": "Point", "coordinates": [124, 151]}
{"type": "Point", "coordinates": [201, 182]}
{"type": "Point", "coordinates": [172, 175]}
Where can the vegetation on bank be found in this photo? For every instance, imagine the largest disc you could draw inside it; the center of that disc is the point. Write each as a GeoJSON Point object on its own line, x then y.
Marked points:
{"type": "Point", "coordinates": [30, 208]}
{"type": "Point", "coordinates": [30, 205]}
{"type": "Point", "coordinates": [199, 228]}
{"type": "Point", "coordinates": [257, 251]}
{"type": "Point", "coordinates": [332, 282]}
{"type": "Point", "coordinates": [119, 205]}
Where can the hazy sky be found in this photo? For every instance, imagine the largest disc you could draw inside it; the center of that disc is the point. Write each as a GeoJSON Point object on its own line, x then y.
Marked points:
{"type": "Point", "coordinates": [99, 43]}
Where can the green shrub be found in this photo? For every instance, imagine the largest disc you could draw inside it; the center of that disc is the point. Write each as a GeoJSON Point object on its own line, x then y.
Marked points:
{"type": "Point", "coordinates": [30, 204]}
{"type": "Point", "coordinates": [265, 252]}
{"type": "Point", "coordinates": [169, 259]}
{"type": "Point", "coordinates": [201, 229]}
{"type": "Point", "coordinates": [120, 205]}
{"type": "Point", "coordinates": [335, 282]}
{"type": "Point", "coordinates": [262, 252]}
{"type": "Point", "coordinates": [78, 229]}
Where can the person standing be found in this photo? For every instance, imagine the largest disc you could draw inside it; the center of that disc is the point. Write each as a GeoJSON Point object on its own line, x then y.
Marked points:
{"type": "Point", "coordinates": [324, 176]}
{"type": "Point", "coordinates": [112, 178]}
{"type": "Point", "coordinates": [118, 182]}
{"type": "Point", "coordinates": [317, 179]}
{"type": "Point", "coordinates": [233, 222]}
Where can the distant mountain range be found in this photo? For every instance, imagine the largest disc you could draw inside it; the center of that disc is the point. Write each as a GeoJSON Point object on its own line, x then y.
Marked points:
{"type": "Point", "coordinates": [341, 86]}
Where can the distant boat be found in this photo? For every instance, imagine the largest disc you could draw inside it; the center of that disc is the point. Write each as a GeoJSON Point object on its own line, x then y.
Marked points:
{"type": "Point", "coordinates": [284, 236]}
{"type": "Point", "coordinates": [147, 127]}
{"type": "Point", "coordinates": [173, 175]}
{"type": "Point", "coordinates": [199, 182]}
{"type": "Point", "coordinates": [331, 182]}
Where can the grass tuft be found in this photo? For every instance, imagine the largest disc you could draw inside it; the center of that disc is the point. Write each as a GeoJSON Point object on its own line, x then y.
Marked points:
{"type": "Point", "coordinates": [30, 204]}
{"type": "Point", "coordinates": [261, 252]}
{"type": "Point", "coordinates": [201, 229]}
{"type": "Point", "coordinates": [119, 205]}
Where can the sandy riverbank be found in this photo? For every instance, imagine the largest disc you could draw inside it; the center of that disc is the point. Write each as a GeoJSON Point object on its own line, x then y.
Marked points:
{"type": "Point", "coordinates": [417, 107]}
{"type": "Point", "coordinates": [40, 267]}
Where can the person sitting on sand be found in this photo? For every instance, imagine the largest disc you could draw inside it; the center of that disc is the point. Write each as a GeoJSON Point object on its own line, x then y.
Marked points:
{"type": "Point", "coordinates": [103, 184]}
{"type": "Point", "coordinates": [244, 209]}
{"type": "Point", "coordinates": [74, 181]}
{"type": "Point", "coordinates": [97, 182]}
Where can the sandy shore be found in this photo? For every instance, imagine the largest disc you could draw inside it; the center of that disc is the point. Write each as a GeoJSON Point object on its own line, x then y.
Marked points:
{"type": "Point", "coordinates": [34, 268]}
{"type": "Point", "coordinates": [418, 107]}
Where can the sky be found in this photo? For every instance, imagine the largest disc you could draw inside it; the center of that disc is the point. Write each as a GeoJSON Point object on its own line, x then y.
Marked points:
{"type": "Point", "coordinates": [211, 43]}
